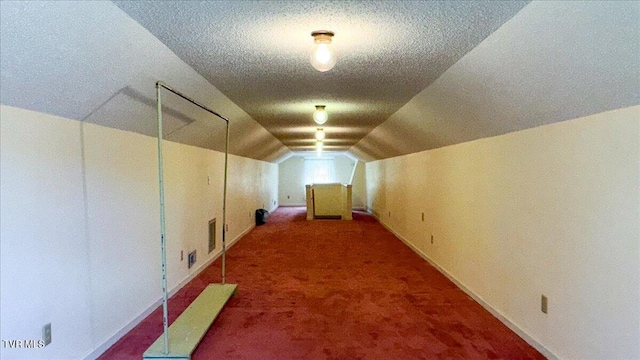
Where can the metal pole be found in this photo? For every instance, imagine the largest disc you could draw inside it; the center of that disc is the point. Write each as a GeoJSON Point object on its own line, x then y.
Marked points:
{"type": "Point", "coordinates": [224, 207]}
{"type": "Point", "coordinates": [160, 83]}
{"type": "Point", "coordinates": [165, 313]}
{"type": "Point", "coordinates": [226, 154]}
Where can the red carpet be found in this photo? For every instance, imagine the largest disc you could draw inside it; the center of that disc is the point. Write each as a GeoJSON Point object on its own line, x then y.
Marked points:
{"type": "Point", "coordinates": [330, 289]}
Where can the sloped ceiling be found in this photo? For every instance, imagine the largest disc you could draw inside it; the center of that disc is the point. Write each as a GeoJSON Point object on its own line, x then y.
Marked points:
{"type": "Point", "coordinates": [553, 61]}
{"type": "Point", "coordinates": [257, 53]}
{"type": "Point", "coordinates": [89, 61]}
{"type": "Point", "coordinates": [411, 75]}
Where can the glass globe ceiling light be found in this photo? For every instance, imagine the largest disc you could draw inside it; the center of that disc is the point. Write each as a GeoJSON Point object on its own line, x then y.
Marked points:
{"type": "Point", "coordinates": [320, 116]}
{"type": "Point", "coordinates": [323, 58]}
{"type": "Point", "coordinates": [320, 135]}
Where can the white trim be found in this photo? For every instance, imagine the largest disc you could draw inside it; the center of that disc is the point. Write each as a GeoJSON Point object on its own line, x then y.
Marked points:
{"type": "Point", "coordinates": [133, 323]}
{"type": "Point", "coordinates": [496, 313]}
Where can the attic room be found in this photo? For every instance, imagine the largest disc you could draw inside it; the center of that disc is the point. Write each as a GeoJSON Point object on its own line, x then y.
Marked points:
{"type": "Point", "coordinates": [493, 150]}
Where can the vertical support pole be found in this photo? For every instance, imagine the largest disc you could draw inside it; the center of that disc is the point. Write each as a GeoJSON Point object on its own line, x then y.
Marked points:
{"type": "Point", "coordinates": [224, 207]}
{"type": "Point", "coordinates": [309, 200]}
{"type": "Point", "coordinates": [348, 203]}
{"type": "Point", "coordinates": [165, 313]}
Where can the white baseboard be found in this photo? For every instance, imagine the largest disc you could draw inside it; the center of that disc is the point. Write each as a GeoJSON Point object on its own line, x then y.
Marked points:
{"type": "Point", "coordinates": [497, 314]}
{"type": "Point", "coordinates": [94, 354]}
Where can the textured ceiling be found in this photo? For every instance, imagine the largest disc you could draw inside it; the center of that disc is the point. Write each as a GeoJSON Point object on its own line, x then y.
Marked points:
{"type": "Point", "coordinates": [553, 61]}
{"type": "Point", "coordinates": [256, 53]}
{"type": "Point", "coordinates": [89, 61]}
{"type": "Point", "coordinates": [411, 75]}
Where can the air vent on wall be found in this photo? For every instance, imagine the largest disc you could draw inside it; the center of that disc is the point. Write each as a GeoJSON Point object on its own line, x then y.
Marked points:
{"type": "Point", "coordinates": [192, 258]}
{"type": "Point", "coordinates": [212, 235]}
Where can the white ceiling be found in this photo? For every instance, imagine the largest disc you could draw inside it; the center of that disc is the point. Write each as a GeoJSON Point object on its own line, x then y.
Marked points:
{"type": "Point", "coordinates": [553, 61]}
{"type": "Point", "coordinates": [256, 53]}
{"type": "Point", "coordinates": [411, 75]}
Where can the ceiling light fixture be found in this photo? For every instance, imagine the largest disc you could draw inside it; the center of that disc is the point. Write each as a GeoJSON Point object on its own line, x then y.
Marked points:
{"type": "Point", "coordinates": [320, 116]}
{"type": "Point", "coordinates": [320, 135]}
{"type": "Point", "coordinates": [323, 58]}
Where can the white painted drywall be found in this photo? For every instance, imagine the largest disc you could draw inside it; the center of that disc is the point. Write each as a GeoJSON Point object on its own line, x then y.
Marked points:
{"type": "Point", "coordinates": [359, 187]}
{"type": "Point", "coordinates": [344, 168]}
{"type": "Point", "coordinates": [292, 184]}
{"type": "Point", "coordinates": [43, 246]}
{"type": "Point", "coordinates": [553, 61]}
{"type": "Point", "coordinates": [56, 56]}
{"type": "Point", "coordinates": [551, 210]}
{"type": "Point", "coordinates": [80, 226]}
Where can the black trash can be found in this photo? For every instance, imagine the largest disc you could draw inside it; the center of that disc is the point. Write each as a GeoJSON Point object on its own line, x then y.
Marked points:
{"type": "Point", "coordinates": [261, 216]}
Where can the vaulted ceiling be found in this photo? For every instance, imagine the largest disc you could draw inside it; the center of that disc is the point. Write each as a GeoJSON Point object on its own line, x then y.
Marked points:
{"type": "Point", "coordinates": [410, 76]}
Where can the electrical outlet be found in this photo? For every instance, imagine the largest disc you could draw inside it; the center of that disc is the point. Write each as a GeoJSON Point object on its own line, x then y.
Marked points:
{"type": "Point", "coordinates": [432, 238]}
{"type": "Point", "coordinates": [288, 197]}
{"type": "Point", "coordinates": [46, 334]}
{"type": "Point", "coordinates": [544, 304]}
{"type": "Point", "coordinates": [422, 216]}
{"type": "Point", "coordinates": [226, 228]}
{"type": "Point", "coordinates": [181, 255]}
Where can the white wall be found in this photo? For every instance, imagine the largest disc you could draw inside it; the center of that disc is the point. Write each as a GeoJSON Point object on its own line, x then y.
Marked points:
{"type": "Point", "coordinates": [80, 226]}
{"type": "Point", "coordinates": [344, 168]}
{"type": "Point", "coordinates": [359, 187]}
{"type": "Point", "coordinates": [292, 183]}
{"type": "Point", "coordinates": [43, 244]}
{"type": "Point", "coordinates": [291, 190]}
{"type": "Point", "coordinates": [552, 210]}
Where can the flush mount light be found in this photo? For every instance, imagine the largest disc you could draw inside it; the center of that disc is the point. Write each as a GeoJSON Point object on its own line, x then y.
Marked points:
{"type": "Point", "coordinates": [320, 135]}
{"type": "Point", "coordinates": [322, 55]}
{"type": "Point", "coordinates": [320, 116]}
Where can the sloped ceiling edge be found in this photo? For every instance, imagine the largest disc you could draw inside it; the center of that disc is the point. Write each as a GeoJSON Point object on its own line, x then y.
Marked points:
{"type": "Point", "coordinates": [71, 59]}
{"type": "Point", "coordinates": [553, 61]}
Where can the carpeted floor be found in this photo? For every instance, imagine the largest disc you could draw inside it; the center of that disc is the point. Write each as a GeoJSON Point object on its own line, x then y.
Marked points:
{"type": "Point", "coordinates": [330, 289]}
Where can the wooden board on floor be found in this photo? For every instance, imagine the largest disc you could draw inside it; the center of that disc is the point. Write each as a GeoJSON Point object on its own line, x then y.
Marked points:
{"type": "Point", "coordinates": [188, 329]}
